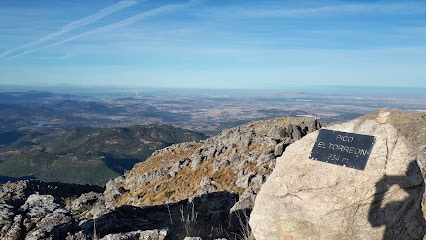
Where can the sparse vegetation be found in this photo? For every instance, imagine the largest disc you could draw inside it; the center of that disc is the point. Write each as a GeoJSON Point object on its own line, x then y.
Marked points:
{"type": "Point", "coordinates": [244, 227]}
{"type": "Point", "coordinates": [192, 225]}
{"type": "Point", "coordinates": [163, 186]}
{"type": "Point", "coordinates": [92, 155]}
{"type": "Point", "coordinates": [189, 223]}
{"type": "Point", "coordinates": [185, 184]}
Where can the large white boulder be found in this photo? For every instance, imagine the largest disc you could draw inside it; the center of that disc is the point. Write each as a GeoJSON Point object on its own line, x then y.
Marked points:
{"type": "Point", "coordinates": [309, 199]}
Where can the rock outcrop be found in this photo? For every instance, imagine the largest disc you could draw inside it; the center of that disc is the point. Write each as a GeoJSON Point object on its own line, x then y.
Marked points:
{"type": "Point", "coordinates": [44, 216]}
{"type": "Point", "coordinates": [139, 235]}
{"type": "Point", "coordinates": [309, 199]}
{"type": "Point", "coordinates": [33, 209]}
{"type": "Point", "coordinates": [239, 159]}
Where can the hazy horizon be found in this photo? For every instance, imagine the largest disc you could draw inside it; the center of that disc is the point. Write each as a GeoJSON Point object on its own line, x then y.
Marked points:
{"type": "Point", "coordinates": [373, 91]}
{"type": "Point", "coordinates": [213, 44]}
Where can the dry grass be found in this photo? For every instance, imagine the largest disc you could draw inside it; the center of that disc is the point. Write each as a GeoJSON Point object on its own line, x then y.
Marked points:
{"type": "Point", "coordinates": [424, 210]}
{"type": "Point", "coordinates": [407, 124]}
{"type": "Point", "coordinates": [189, 222]}
{"type": "Point", "coordinates": [185, 184]}
{"type": "Point", "coordinates": [228, 152]}
{"type": "Point", "coordinates": [245, 230]}
{"type": "Point", "coordinates": [164, 158]}
{"type": "Point", "coordinates": [396, 117]}
{"type": "Point", "coordinates": [252, 166]}
{"type": "Point", "coordinates": [260, 148]}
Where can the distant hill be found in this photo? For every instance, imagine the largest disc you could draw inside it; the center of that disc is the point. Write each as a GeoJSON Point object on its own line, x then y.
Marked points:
{"type": "Point", "coordinates": [87, 155]}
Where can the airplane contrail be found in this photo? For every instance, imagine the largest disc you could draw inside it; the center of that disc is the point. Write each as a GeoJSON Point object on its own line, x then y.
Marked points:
{"type": "Point", "coordinates": [76, 24]}
{"type": "Point", "coordinates": [111, 26]}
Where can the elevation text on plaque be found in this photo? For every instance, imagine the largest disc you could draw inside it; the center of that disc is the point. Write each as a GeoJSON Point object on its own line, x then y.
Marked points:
{"type": "Point", "coordinates": [342, 148]}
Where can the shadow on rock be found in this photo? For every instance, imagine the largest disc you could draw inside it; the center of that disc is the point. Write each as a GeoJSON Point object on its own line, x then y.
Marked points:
{"type": "Point", "coordinates": [402, 219]}
{"type": "Point", "coordinates": [206, 216]}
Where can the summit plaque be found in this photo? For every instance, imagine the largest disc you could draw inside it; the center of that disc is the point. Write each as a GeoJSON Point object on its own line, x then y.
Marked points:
{"type": "Point", "coordinates": [342, 148]}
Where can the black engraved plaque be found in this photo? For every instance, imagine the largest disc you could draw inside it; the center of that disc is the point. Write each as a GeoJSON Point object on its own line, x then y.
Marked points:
{"type": "Point", "coordinates": [342, 148]}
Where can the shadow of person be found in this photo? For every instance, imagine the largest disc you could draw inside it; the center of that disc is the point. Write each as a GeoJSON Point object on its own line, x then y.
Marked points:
{"type": "Point", "coordinates": [402, 219]}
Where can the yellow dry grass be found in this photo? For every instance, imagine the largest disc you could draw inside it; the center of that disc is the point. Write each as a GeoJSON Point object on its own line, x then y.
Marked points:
{"type": "Point", "coordinates": [162, 159]}
{"type": "Point", "coordinates": [396, 117]}
{"type": "Point", "coordinates": [185, 184]}
{"type": "Point", "coordinates": [260, 148]}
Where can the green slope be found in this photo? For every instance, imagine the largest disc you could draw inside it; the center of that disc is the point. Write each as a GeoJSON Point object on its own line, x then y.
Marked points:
{"type": "Point", "coordinates": [93, 155]}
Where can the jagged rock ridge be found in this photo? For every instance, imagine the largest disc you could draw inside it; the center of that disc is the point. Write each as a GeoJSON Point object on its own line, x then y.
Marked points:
{"type": "Point", "coordinates": [238, 159]}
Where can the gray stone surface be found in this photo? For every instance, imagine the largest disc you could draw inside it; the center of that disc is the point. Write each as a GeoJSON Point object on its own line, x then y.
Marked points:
{"type": "Point", "coordinates": [206, 185]}
{"type": "Point", "coordinates": [39, 217]}
{"type": "Point", "coordinates": [156, 234]}
{"type": "Point", "coordinates": [33, 209]}
{"type": "Point", "coordinates": [308, 199]}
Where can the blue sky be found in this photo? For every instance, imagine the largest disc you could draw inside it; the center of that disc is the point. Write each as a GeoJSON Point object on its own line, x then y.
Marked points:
{"type": "Point", "coordinates": [213, 44]}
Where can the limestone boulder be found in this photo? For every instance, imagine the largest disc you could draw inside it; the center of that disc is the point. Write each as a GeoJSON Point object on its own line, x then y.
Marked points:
{"type": "Point", "coordinates": [310, 199]}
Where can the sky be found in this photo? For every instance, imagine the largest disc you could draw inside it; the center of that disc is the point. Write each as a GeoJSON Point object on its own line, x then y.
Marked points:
{"type": "Point", "coordinates": [268, 44]}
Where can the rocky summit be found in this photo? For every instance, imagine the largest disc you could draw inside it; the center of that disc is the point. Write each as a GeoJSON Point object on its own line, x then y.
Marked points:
{"type": "Point", "coordinates": [310, 199]}
{"type": "Point", "coordinates": [239, 159]}
{"type": "Point", "coordinates": [207, 189]}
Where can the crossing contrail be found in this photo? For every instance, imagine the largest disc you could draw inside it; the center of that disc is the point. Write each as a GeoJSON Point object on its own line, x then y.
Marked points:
{"type": "Point", "coordinates": [118, 24]}
{"type": "Point", "coordinates": [75, 25]}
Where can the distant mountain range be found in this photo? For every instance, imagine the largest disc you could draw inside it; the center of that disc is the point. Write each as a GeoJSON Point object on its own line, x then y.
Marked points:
{"type": "Point", "coordinates": [85, 155]}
